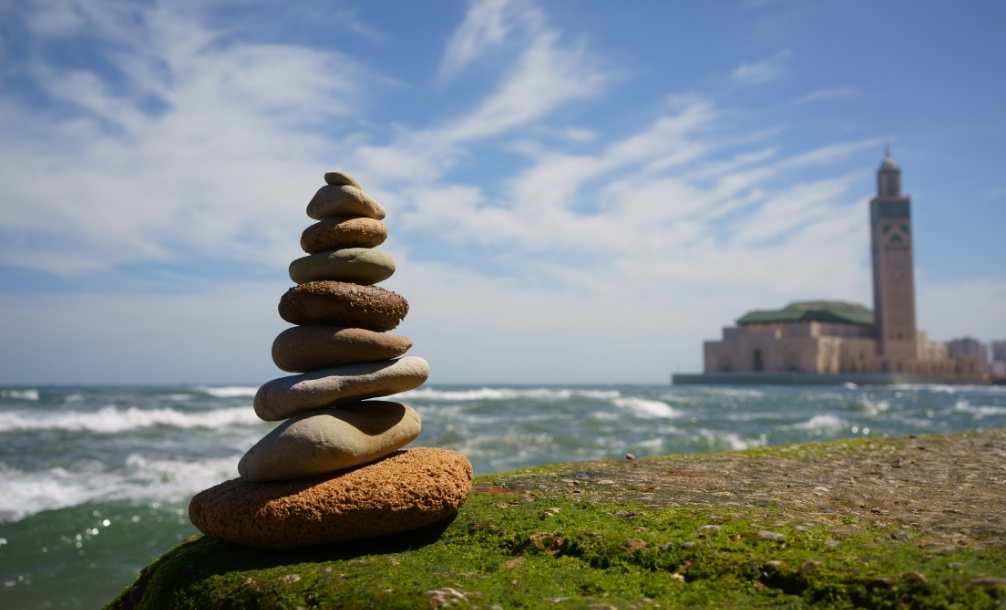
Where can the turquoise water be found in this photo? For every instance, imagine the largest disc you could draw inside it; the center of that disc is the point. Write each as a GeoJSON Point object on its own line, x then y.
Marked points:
{"type": "Point", "coordinates": [96, 479]}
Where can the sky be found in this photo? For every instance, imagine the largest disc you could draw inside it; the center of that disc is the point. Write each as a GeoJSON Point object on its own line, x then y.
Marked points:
{"type": "Point", "coordinates": [577, 192]}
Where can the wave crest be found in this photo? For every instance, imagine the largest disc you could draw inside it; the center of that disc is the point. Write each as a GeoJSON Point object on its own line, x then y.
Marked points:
{"type": "Point", "coordinates": [111, 420]}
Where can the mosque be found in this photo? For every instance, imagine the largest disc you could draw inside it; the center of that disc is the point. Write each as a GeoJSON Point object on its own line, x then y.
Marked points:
{"type": "Point", "coordinates": [838, 340]}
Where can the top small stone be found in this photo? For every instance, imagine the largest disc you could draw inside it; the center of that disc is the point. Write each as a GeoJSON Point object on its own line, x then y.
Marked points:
{"type": "Point", "coordinates": [341, 179]}
{"type": "Point", "coordinates": [344, 200]}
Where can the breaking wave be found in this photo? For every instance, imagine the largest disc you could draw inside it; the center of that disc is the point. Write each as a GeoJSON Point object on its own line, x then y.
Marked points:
{"type": "Point", "coordinates": [508, 394]}
{"type": "Point", "coordinates": [111, 420]}
{"type": "Point", "coordinates": [232, 391]}
{"type": "Point", "coordinates": [29, 394]}
{"type": "Point", "coordinates": [642, 407]}
{"type": "Point", "coordinates": [27, 493]}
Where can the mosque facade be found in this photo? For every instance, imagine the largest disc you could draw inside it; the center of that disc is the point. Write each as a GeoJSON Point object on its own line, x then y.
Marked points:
{"type": "Point", "coordinates": [841, 338]}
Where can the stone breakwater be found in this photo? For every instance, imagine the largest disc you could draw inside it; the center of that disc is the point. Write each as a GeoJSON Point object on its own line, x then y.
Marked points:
{"type": "Point", "coordinates": [334, 469]}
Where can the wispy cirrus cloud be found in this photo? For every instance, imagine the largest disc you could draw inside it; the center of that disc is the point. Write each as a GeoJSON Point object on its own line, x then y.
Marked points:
{"type": "Point", "coordinates": [763, 71]}
{"type": "Point", "coordinates": [201, 148]}
{"type": "Point", "coordinates": [823, 95]}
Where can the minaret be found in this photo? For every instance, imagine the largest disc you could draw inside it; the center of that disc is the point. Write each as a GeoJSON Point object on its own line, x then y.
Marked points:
{"type": "Point", "coordinates": [893, 271]}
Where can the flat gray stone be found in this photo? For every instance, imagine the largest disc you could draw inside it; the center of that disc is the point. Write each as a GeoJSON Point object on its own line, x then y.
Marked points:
{"type": "Point", "coordinates": [336, 438]}
{"type": "Point", "coordinates": [288, 396]}
{"type": "Point", "coordinates": [343, 200]}
{"type": "Point", "coordinates": [356, 265]}
{"type": "Point", "coordinates": [309, 348]}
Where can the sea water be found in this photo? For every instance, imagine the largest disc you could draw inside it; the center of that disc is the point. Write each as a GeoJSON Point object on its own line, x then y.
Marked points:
{"type": "Point", "coordinates": [94, 481]}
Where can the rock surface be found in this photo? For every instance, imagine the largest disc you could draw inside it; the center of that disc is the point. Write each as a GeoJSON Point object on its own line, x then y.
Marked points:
{"type": "Point", "coordinates": [335, 233]}
{"type": "Point", "coordinates": [324, 441]}
{"type": "Point", "coordinates": [345, 200]}
{"type": "Point", "coordinates": [356, 265]}
{"type": "Point", "coordinates": [410, 489]}
{"type": "Point", "coordinates": [308, 348]}
{"type": "Point", "coordinates": [344, 304]}
{"type": "Point", "coordinates": [287, 396]}
{"type": "Point", "coordinates": [838, 503]}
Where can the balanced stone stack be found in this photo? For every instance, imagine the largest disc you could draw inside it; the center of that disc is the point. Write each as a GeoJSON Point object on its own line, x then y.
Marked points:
{"type": "Point", "coordinates": [334, 469]}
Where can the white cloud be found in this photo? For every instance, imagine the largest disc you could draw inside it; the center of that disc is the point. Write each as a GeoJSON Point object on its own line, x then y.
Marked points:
{"type": "Point", "coordinates": [596, 258]}
{"type": "Point", "coordinates": [764, 70]}
{"type": "Point", "coordinates": [485, 26]}
{"type": "Point", "coordinates": [822, 95]}
{"type": "Point", "coordinates": [547, 74]}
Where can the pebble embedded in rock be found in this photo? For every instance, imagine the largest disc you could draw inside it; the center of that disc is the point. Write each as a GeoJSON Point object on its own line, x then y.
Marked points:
{"type": "Point", "coordinates": [335, 233]}
{"type": "Point", "coordinates": [344, 304]}
{"type": "Point", "coordinates": [287, 396]}
{"type": "Point", "coordinates": [356, 265]}
{"type": "Point", "coordinates": [344, 200]}
{"type": "Point", "coordinates": [407, 490]}
{"type": "Point", "coordinates": [327, 440]}
{"type": "Point", "coordinates": [308, 348]}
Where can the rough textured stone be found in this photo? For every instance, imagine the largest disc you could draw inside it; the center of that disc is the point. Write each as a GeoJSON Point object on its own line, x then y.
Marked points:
{"type": "Point", "coordinates": [343, 304]}
{"type": "Point", "coordinates": [308, 348]}
{"type": "Point", "coordinates": [331, 439]}
{"type": "Point", "coordinates": [286, 396]}
{"type": "Point", "coordinates": [410, 489]}
{"type": "Point", "coordinates": [356, 265]}
{"type": "Point", "coordinates": [344, 200]}
{"type": "Point", "coordinates": [335, 233]}
{"type": "Point", "coordinates": [340, 179]}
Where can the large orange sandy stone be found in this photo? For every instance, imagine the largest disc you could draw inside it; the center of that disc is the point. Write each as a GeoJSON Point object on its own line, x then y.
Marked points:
{"type": "Point", "coordinates": [407, 490]}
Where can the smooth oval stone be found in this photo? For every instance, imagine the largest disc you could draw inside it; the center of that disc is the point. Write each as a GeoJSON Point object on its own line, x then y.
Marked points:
{"type": "Point", "coordinates": [287, 396]}
{"type": "Point", "coordinates": [308, 348]}
{"type": "Point", "coordinates": [407, 490]}
{"type": "Point", "coordinates": [340, 179]}
{"type": "Point", "coordinates": [343, 200]}
{"type": "Point", "coordinates": [343, 304]}
{"type": "Point", "coordinates": [357, 265]}
{"type": "Point", "coordinates": [331, 439]}
{"type": "Point", "coordinates": [335, 233]}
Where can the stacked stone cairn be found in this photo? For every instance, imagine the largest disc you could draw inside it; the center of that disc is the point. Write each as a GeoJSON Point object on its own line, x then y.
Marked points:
{"type": "Point", "coordinates": [334, 470]}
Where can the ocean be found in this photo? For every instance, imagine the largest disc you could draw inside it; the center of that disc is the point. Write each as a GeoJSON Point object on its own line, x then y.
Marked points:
{"type": "Point", "coordinates": [95, 480]}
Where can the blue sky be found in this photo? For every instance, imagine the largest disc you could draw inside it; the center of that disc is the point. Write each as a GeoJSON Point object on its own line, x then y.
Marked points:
{"type": "Point", "coordinates": [577, 191]}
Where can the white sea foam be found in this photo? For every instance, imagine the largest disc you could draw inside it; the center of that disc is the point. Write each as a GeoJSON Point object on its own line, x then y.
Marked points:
{"type": "Point", "coordinates": [110, 420]}
{"type": "Point", "coordinates": [823, 423]}
{"type": "Point", "coordinates": [979, 411]}
{"type": "Point", "coordinates": [735, 392]}
{"type": "Point", "coordinates": [231, 391]}
{"type": "Point", "coordinates": [731, 440]}
{"type": "Point", "coordinates": [27, 493]}
{"type": "Point", "coordinates": [508, 394]}
{"type": "Point", "coordinates": [873, 407]}
{"type": "Point", "coordinates": [642, 407]}
{"type": "Point", "coordinates": [29, 394]}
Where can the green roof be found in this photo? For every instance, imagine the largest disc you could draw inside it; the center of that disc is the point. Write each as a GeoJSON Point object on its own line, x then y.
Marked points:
{"type": "Point", "coordinates": [838, 312]}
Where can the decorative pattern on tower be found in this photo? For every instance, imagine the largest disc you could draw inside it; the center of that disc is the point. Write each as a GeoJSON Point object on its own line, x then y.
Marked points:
{"type": "Point", "coordinates": [334, 470]}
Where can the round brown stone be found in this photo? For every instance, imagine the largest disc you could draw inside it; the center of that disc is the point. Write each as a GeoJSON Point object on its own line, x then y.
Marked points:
{"type": "Point", "coordinates": [335, 233]}
{"type": "Point", "coordinates": [343, 304]}
{"type": "Point", "coordinates": [407, 490]}
{"type": "Point", "coordinates": [345, 200]}
{"type": "Point", "coordinates": [340, 179]}
{"type": "Point", "coordinates": [308, 348]}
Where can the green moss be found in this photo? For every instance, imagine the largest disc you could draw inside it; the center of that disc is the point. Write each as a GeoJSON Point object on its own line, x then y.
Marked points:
{"type": "Point", "coordinates": [525, 540]}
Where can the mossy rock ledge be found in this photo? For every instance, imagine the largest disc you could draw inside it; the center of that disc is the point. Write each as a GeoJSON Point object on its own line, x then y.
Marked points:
{"type": "Point", "coordinates": [917, 522]}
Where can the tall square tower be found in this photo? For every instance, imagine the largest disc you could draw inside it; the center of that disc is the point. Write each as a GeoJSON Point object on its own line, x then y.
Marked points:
{"type": "Point", "coordinates": [893, 269]}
